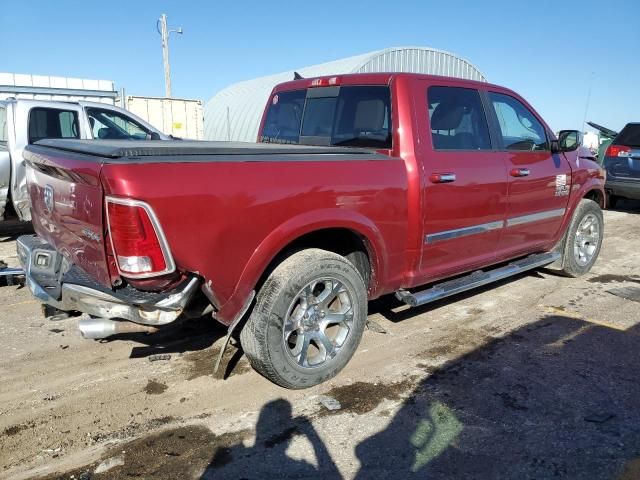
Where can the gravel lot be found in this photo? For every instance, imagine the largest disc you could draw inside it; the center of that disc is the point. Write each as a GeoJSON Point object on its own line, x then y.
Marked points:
{"type": "Point", "coordinates": [535, 377]}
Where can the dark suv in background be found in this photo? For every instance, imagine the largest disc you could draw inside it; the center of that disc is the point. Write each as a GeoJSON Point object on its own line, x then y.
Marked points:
{"type": "Point", "coordinates": [622, 162]}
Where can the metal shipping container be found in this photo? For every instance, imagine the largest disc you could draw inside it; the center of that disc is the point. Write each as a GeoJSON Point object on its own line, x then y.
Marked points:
{"type": "Point", "coordinates": [179, 117]}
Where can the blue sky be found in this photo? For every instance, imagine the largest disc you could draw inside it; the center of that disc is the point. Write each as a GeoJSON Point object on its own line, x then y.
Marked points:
{"type": "Point", "coordinates": [548, 51]}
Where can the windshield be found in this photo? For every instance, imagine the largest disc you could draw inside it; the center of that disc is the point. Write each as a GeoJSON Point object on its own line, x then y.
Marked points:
{"type": "Point", "coordinates": [629, 136]}
{"type": "Point", "coordinates": [3, 125]}
{"type": "Point", "coordinates": [108, 124]}
{"type": "Point", "coordinates": [355, 116]}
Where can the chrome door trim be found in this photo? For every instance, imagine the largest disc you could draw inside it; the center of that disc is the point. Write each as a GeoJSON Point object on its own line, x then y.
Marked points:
{"type": "Point", "coordinates": [463, 232]}
{"type": "Point", "coordinates": [535, 217]}
{"type": "Point", "coordinates": [487, 227]}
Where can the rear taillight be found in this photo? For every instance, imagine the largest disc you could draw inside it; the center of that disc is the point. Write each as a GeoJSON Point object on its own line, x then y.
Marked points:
{"type": "Point", "coordinates": [618, 151]}
{"type": "Point", "coordinates": [138, 242]}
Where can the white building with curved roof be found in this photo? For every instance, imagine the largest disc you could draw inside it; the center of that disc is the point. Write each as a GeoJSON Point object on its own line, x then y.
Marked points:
{"type": "Point", "coordinates": [234, 113]}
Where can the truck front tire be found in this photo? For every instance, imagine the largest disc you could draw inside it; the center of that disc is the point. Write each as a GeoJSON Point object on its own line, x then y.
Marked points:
{"type": "Point", "coordinates": [308, 319]}
{"type": "Point", "coordinates": [584, 239]}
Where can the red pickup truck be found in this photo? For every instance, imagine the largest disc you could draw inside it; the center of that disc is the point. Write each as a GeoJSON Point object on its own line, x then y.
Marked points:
{"type": "Point", "coordinates": [416, 185]}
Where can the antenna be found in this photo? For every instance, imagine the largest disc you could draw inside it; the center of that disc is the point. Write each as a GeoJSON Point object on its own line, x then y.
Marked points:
{"type": "Point", "coordinates": [586, 105]}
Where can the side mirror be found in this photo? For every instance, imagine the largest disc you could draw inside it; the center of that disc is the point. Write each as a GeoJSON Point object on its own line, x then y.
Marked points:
{"type": "Point", "coordinates": [153, 136]}
{"type": "Point", "coordinates": [568, 141]}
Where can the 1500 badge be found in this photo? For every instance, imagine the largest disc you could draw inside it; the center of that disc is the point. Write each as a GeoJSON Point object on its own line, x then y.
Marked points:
{"type": "Point", "coordinates": [91, 235]}
{"type": "Point", "coordinates": [562, 189]}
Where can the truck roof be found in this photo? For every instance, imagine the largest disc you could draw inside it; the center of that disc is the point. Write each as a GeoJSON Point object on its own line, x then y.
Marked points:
{"type": "Point", "coordinates": [377, 79]}
{"type": "Point", "coordinates": [148, 150]}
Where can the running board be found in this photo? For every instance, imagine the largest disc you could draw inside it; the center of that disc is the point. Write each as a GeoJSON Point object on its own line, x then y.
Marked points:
{"type": "Point", "coordinates": [475, 279]}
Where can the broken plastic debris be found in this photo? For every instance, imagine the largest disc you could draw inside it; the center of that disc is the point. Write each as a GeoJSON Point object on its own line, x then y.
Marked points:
{"type": "Point", "coordinates": [108, 464]}
{"type": "Point", "coordinates": [329, 403]}
{"type": "Point", "coordinates": [375, 327]}
{"type": "Point", "coordinates": [159, 356]}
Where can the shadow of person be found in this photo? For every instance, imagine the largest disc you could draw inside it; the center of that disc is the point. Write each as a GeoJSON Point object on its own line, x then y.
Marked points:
{"type": "Point", "coordinates": [267, 458]}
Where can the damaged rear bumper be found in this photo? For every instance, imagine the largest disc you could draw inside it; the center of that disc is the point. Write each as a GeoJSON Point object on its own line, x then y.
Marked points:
{"type": "Point", "coordinates": [67, 287]}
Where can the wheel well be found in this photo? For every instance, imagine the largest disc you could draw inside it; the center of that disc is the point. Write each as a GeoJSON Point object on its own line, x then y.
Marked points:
{"type": "Point", "coordinates": [342, 241]}
{"type": "Point", "coordinates": [596, 196]}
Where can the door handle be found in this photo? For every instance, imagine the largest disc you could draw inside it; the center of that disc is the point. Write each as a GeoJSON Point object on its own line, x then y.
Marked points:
{"type": "Point", "coordinates": [520, 172]}
{"type": "Point", "coordinates": [442, 177]}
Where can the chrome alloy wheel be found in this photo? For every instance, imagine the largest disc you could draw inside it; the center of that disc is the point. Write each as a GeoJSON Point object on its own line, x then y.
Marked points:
{"type": "Point", "coordinates": [587, 239]}
{"type": "Point", "coordinates": [318, 322]}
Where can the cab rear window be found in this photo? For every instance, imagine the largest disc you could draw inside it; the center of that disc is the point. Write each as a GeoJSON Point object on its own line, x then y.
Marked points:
{"type": "Point", "coordinates": [52, 123]}
{"type": "Point", "coordinates": [351, 116]}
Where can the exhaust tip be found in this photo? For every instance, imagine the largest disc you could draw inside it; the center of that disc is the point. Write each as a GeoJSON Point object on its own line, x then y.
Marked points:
{"type": "Point", "coordinates": [96, 328]}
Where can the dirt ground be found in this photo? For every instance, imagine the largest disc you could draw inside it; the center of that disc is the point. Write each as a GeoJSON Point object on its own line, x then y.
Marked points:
{"type": "Point", "coordinates": [535, 377]}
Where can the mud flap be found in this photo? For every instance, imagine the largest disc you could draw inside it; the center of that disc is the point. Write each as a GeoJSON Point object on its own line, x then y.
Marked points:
{"type": "Point", "coordinates": [559, 248]}
{"type": "Point", "coordinates": [232, 327]}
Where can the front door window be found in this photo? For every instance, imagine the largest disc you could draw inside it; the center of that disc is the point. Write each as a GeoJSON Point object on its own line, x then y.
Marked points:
{"type": "Point", "coordinates": [520, 129]}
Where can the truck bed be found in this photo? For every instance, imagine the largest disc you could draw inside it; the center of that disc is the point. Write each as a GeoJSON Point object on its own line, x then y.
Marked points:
{"type": "Point", "coordinates": [115, 151]}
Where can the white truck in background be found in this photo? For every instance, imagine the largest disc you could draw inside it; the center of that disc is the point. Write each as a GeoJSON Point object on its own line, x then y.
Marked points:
{"type": "Point", "coordinates": [23, 122]}
{"type": "Point", "coordinates": [33, 107]}
{"type": "Point", "coordinates": [178, 117]}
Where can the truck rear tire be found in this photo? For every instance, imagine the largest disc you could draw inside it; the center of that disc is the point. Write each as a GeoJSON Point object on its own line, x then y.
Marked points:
{"type": "Point", "coordinates": [584, 239]}
{"type": "Point", "coordinates": [308, 319]}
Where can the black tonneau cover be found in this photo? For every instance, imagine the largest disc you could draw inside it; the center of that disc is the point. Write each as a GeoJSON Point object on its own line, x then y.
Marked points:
{"type": "Point", "coordinates": [113, 149]}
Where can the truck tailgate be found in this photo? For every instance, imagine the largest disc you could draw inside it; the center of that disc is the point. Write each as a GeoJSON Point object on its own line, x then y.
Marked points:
{"type": "Point", "coordinates": [67, 206]}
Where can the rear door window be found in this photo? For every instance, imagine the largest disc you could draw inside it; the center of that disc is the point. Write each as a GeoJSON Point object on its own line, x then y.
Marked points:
{"type": "Point", "coordinates": [284, 117]}
{"type": "Point", "coordinates": [353, 116]}
{"type": "Point", "coordinates": [519, 127]}
{"type": "Point", "coordinates": [629, 136]}
{"type": "Point", "coordinates": [457, 119]}
{"type": "Point", "coordinates": [52, 123]}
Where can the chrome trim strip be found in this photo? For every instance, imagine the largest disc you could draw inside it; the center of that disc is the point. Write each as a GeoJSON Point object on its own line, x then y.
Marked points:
{"type": "Point", "coordinates": [535, 217]}
{"type": "Point", "coordinates": [487, 227]}
{"type": "Point", "coordinates": [463, 232]}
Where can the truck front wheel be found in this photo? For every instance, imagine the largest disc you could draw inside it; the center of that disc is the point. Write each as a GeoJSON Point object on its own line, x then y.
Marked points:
{"type": "Point", "coordinates": [308, 319]}
{"type": "Point", "coordinates": [584, 239]}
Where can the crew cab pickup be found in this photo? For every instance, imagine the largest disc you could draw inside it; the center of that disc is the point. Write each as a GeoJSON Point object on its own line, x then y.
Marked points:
{"type": "Point", "coordinates": [23, 122]}
{"type": "Point", "coordinates": [418, 186]}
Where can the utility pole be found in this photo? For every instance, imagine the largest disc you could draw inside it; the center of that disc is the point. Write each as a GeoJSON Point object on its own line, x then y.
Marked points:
{"type": "Point", "coordinates": [164, 32]}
